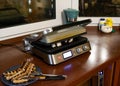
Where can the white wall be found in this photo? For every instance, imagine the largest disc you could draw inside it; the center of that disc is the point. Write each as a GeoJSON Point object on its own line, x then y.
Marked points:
{"type": "Point", "coordinates": [16, 31]}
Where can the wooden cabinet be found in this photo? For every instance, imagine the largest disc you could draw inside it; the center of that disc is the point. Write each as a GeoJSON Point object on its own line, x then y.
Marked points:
{"type": "Point", "coordinates": [116, 76]}
{"type": "Point", "coordinates": [108, 75]}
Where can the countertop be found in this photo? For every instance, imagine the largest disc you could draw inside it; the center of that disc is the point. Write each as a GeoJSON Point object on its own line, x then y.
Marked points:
{"type": "Point", "coordinates": [105, 49]}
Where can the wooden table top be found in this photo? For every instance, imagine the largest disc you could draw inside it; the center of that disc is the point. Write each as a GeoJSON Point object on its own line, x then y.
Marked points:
{"type": "Point", "coordinates": [105, 49]}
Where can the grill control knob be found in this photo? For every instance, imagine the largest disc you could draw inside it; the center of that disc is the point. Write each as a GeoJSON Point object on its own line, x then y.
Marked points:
{"type": "Point", "coordinates": [79, 50]}
{"type": "Point", "coordinates": [85, 47]}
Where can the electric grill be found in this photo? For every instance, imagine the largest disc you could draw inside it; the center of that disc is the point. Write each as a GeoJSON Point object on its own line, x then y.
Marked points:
{"type": "Point", "coordinates": [63, 43]}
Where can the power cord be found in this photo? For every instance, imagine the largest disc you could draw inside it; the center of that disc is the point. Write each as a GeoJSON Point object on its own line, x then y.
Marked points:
{"type": "Point", "coordinates": [13, 45]}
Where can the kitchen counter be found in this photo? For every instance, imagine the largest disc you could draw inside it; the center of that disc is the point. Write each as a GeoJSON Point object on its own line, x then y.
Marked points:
{"type": "Point", "coordinates": [104, 55]}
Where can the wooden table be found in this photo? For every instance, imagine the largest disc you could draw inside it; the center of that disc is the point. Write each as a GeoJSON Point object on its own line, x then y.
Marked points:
{"type": "Point", "coordinates": [105, 55]}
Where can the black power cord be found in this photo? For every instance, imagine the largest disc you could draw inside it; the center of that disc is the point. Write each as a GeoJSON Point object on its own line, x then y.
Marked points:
{"type": "Point", "coordinates": [13, 45]}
